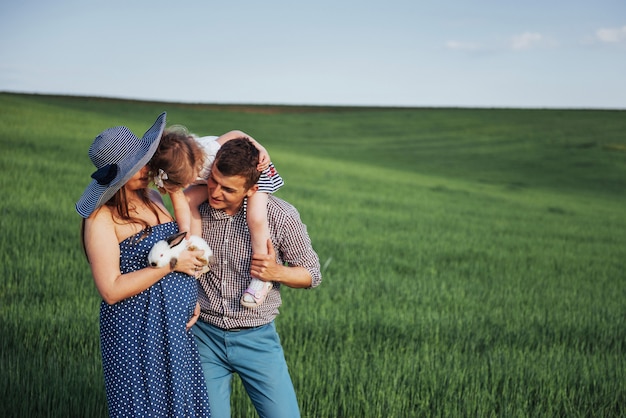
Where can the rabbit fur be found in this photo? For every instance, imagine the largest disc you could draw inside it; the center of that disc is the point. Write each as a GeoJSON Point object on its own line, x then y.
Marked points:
{"type": "Point", "coordinates": [167, 251]}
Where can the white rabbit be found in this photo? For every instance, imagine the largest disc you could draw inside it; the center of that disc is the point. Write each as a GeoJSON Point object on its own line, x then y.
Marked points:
{"type": "Point", "coordinates": [167, 251]}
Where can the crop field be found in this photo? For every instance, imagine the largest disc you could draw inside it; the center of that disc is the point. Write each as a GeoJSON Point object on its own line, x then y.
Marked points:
{"type": "Point", "coordinates": [473, 259]}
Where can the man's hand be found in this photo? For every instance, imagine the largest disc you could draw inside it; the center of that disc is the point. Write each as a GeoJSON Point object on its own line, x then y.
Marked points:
{"type": "Point", "coordinates": [194, 318]}
{"type": "Point", "coordinates": [264, 266]}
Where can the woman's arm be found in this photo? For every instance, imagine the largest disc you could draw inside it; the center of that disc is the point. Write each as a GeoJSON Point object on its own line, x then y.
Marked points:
{"type": "Point", "coordinates": [103, 252]}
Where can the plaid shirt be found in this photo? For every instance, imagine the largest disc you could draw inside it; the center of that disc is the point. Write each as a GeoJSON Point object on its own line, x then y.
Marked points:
{"type": "Point", "coordinates": [228, 236]}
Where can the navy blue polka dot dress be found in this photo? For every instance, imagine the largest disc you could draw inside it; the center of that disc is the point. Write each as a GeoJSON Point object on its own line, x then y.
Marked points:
{"type": "Point", "coordinates": [151, 364]}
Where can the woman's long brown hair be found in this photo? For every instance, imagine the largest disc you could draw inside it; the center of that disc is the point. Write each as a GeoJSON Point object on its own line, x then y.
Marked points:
{"type": "Point", "coordinates": [119, 201]}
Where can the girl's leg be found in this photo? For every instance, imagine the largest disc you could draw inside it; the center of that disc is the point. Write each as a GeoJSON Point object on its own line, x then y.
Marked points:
{"type": "Point", "coordinates": [257, 222]}
{"type": "Point", "coordinates": [256, 214]}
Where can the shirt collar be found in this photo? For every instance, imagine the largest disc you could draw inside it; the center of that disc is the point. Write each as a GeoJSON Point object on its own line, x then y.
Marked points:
{"type": "Point", "coordinates": [220, 214]}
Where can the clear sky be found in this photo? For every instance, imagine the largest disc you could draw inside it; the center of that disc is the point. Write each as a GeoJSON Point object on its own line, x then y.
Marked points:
{"type": "Point", "coordinates": [467, 53]}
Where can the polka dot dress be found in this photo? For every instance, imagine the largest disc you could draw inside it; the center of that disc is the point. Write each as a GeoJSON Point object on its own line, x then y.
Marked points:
{"type": "Point", "coordinates": [151, 364]}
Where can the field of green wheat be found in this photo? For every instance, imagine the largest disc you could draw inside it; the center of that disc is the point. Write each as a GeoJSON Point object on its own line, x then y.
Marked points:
{"type": "Point", "coordinates": [473, 259]}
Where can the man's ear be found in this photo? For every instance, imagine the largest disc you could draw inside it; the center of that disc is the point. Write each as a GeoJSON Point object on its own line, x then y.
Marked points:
{"type": "Point", "coordinates": [252, 190]}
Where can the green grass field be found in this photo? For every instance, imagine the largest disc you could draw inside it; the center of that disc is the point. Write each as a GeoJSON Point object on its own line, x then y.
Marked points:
{"type": "Point", "coordinates": [473, 259]}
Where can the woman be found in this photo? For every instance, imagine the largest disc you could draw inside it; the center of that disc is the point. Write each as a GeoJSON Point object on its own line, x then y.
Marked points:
{"type": "Point", "coordinates": [150, 360]}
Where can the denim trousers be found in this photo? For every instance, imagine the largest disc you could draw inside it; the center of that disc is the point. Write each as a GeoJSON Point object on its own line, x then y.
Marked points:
{"type": "Point", "coordinates": [256, 355]}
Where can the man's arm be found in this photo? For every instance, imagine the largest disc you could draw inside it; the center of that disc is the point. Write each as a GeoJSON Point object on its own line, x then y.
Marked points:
{"type": "Point", "coordinates": [293, 262]}
{"type": "Point", "coordinates": [265, 267]}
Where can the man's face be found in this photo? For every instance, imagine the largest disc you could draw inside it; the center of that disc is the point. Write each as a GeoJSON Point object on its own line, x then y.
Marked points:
{"type": "Point", "coordinates": [227, 192]}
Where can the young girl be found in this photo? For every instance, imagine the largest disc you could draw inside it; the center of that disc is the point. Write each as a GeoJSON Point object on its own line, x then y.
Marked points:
{"type": "Point", "coordinates": [184, 159]}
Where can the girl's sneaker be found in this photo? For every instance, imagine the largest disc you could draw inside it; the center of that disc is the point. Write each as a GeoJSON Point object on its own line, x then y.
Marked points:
{"type": "Point", "coordinates": [256, 293]}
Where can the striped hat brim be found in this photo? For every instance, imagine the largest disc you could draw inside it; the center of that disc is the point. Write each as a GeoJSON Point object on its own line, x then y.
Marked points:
{"type": "Point", "coordinates": [118, 146]}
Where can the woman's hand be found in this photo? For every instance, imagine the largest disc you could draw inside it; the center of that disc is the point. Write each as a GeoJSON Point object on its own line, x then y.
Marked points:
{"type": "Point", "coordinates": [189, 263]}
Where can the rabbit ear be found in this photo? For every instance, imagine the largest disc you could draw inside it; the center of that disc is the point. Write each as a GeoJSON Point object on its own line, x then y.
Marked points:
{"type": "Point", "coordinates": [174, 240]}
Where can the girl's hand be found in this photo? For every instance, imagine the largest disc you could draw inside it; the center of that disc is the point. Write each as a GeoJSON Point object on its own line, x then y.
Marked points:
{"type": "Point", "coordinates": [264, 156]}
{"type": "Point", "coordinates": [264, 160]}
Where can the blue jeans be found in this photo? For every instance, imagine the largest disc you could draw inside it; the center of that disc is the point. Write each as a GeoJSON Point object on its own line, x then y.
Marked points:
{"type": "Point", "coordinates": [257, 357]}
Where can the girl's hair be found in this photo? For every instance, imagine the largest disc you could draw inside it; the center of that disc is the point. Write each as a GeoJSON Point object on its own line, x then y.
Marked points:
{"type": "Point", "coordinates": [119, 201]}
{"type": "Point", "coordinates": [179, 156]}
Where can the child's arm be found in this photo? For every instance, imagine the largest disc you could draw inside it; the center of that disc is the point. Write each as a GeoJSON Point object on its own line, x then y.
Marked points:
{"type": "Point", "coordinates": [264, 157]}
{"type": "Point", "coordinates": [222, 139]}
{"type": "Point", "coordinates": [182, 212]}
{"type": "Point", "coordinates": [257, 222]}
{"type": "Point", "coordinates": [195, 196]}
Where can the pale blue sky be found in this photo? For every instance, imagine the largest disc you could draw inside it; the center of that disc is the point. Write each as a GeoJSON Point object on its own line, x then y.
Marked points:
{"type": "Point", "coordinates": [480, 53]}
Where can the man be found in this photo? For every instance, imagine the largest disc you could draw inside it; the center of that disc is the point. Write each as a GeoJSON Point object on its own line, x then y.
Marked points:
{"type": "Point", "coordinates": [232, 338]}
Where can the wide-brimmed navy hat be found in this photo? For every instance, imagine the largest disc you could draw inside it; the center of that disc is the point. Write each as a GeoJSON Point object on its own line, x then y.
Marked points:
{"type": "Point", "coordinates": [117, 154]}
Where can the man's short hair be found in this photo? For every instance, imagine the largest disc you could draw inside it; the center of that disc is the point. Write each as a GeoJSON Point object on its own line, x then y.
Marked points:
{"type": "Point", "coordinates": [239, 157]}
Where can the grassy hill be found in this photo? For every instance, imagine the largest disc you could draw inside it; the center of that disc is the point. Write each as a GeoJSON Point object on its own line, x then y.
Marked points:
{"type": "Point", "coordinates": [473, 258]}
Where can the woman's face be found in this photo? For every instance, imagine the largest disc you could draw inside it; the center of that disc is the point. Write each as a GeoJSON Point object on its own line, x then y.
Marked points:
{"type": "Point", "coordinates": [140, 180]}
